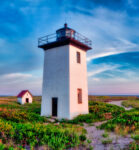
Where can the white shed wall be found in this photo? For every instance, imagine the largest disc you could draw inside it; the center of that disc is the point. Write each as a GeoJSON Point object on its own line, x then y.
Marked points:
{"type": "Point", "coordinates": [23, 99]}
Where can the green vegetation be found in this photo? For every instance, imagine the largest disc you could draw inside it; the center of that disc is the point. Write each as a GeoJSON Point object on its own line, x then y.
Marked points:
{"type": "Point", "coordinates": [91, 147]}
{"type": "Point", "coordinates": [5, 147]}
{"type": "Point", "coordinates": [82, 137]}
{"type": "Point", "coordinates": [136, 137]}
{"type": "Point", "coordinates": [131, 103]}
{"type": "Point", "coordinates": [126, 122]}
{"type": "Point", "coordinates": [134, 146]}
{"type": "Point", "coordinates": [89, 141]}
{"type": "Point", "coordinates": [105, 134]}
{"type": "Point", "coordinates": [22, 125]}
{"type": "Point", "coordinates": [107, 141]}
{"type": "Point", "coordinates": [98, 112]}
{"type": "Point", "coordinates": [111, 98]}
{"type": "Point", "coordinates": [21, 116]}
{"type": "Point", "coordinates": [12, 104]}
{"type": "Point", "coordinates": [100, 108]}
{"type": "Point", "coordinates": [35, 134]}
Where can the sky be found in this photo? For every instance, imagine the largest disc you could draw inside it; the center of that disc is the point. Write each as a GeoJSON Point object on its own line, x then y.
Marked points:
{"type": "Point", "coordinates": [112, 25]}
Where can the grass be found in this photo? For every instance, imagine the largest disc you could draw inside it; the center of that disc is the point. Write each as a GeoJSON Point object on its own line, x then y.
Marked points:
{"type": "Point", "coordinates": [134, 146]}
{"type": "Point", "coordinates": [5, 147]}
{"type": "Point", "coordinates": [91, 147]}
{"type": "Point", "coordinates": [127, 122]}
{"type": "Point", "coordinates": [111, 98]}
{"type": "Point", "coordinates": [107, 141]}
{"type": "Point", "coordinates": [89, 141]}
{"type": "Point", "coordinates": [136, 137]}
{"type": "Point", "coordinates": [20, 124]}
{"type": "Point", "coordinates": [21, 116]}
{"type": "Point", "coordinates": [34, 134]}
{"type": "Point", "coordinates": [11, 103]}
{"type": "Point", "coordinates": [131, 103]}
{"type": "Point", "coordinates": [98, 112]}
{"type": "Point", "coordinates": [105, 134]}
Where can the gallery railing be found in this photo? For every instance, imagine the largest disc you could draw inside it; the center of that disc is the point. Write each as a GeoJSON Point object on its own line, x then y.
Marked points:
{"type": "Point", "coordinates": [56, 37]}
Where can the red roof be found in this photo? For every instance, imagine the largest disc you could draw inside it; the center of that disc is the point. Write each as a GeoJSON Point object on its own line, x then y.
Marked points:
{"type": "Point", "coordinates": [22, 93]}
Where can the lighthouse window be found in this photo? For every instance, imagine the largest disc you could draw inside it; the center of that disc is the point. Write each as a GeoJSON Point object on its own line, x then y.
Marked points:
{"type": "Point", "coordinates": [78, 57]}
{"type": "Point", "coordinates": [79, 95]}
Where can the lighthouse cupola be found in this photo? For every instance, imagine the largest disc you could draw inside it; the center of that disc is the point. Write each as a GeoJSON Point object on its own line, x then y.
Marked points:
{"type": "Point", "coordinates": [64, 36]}
{"type": "Point", "coordinates": [65, 32]}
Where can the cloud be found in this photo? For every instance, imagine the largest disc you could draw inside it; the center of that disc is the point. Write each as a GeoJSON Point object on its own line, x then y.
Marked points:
{"type": "Point", "coordinates": [116, 74]}
{"type": "Point", "coordinates": [14, 78]}
{"type": "Point", "coordinates": [101, 68]}
{"type": "Point", "coordinates": [16, 75]}
{"type": "Point", "coordinates": [129, 60]}
{"type": "Point", "coordinates": [89, 58]}
{"type": "Point", "coordinates": [121, 46]}
{"type": "Point", "coordinates": [112, 26]}
{"type": "Point", "coordinates": [96, 79]}
{"type": "Point", "coordinates": [127, 6]}
{"type": "Point", "coordinates": [12, 84]}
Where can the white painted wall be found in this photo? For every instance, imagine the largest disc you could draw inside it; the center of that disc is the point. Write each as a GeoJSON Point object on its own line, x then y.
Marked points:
{"type": "Point", "coordinates": [56, 81]}
{"type": "Point", "coordinates": [78, 79]}
{"type": "Point", "coordinates": [62, 77]}
{"type": "Point", "coordinates": [23, 99]}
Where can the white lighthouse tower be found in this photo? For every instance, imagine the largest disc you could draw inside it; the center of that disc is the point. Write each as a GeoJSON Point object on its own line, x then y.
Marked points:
{"type": "Point", "coordinates": [64, 92]}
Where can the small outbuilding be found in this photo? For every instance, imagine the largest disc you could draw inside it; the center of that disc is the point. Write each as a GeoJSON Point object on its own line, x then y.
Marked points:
{"type": "Point", "coordinates": [24, 97]}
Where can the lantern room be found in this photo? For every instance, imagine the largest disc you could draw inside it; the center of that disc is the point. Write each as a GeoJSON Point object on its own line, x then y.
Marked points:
{"type": "Point", "coordinates": [65, 36]}
{"type": "Point", "coordinates": [65, 32]}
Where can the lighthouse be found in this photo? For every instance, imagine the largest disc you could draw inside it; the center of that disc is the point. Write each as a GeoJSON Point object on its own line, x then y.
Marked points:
{"type": "Point", "coordinates": [65, 90]}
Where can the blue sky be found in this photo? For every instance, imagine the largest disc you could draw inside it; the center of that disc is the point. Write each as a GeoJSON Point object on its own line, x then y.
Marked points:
{"type": "Point", "coordinates": [112, 25]}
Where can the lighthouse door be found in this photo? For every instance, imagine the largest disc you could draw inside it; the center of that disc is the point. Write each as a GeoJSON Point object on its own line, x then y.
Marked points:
{"type": "Point", "coordinates": [54, 106]}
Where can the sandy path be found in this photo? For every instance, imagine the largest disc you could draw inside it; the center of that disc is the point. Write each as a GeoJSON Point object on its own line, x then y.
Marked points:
{"type": "Point", "coordinates": [118, 142]}
{"type": "Point", "coordinates": [119, 103]}
{"type": "Point", "coordinates": [94, 134]}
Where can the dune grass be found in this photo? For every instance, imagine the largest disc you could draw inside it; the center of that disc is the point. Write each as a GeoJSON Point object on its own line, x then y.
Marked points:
{"type": "Point", "coordinates": [97, 112]}
{"type": "Point", "coordinates": [16, 117]}
{"type": "Point", "coordinates": [111, 98]}
{"type": "Point", "coordinates": [131, 103]}
{"type": "Point", "coordinates": [22, 125]}
{"type": "Point", "coordinates": [125, 123]}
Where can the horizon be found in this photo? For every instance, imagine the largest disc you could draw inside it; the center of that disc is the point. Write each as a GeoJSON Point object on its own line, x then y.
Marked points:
{"type": "Point", "coordinates": [88, 95]}
{"type": "Point", "coordinates": [113, 63]}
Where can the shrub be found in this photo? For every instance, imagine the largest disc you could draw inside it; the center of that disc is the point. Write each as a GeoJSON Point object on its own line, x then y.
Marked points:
{"type": "Point", "coordinates": [100, 108]}
{"type": "Point", "coordinates": [38, 134]}
{"type": "Point", "coordinates": [98, 112]}
{"type": "Point", "coordinates": [136, 137]}
{"type": "Point", "coordinates": [131, 103]}
{"type": "Point", "coordinates": [128, 120]}
{"type": "Point", "coordinates": [21, 116]}
{"type": "Point", "coordinates": [89, 141]}
{"type": "Point", "coordinates": [111, 98]}
{"type": "Point", "coordinates": [2, 147]}
{"type": "Point", "coordinates": [108, 141]}
{"type": "Point", "coordinates": [82, 137]}
{"type": "Point", "coordinates": [91, 147]}
{"type": "Point", "coordinates": [105, 135]}
{"type": "Point", "coordinates": [134, 146]}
